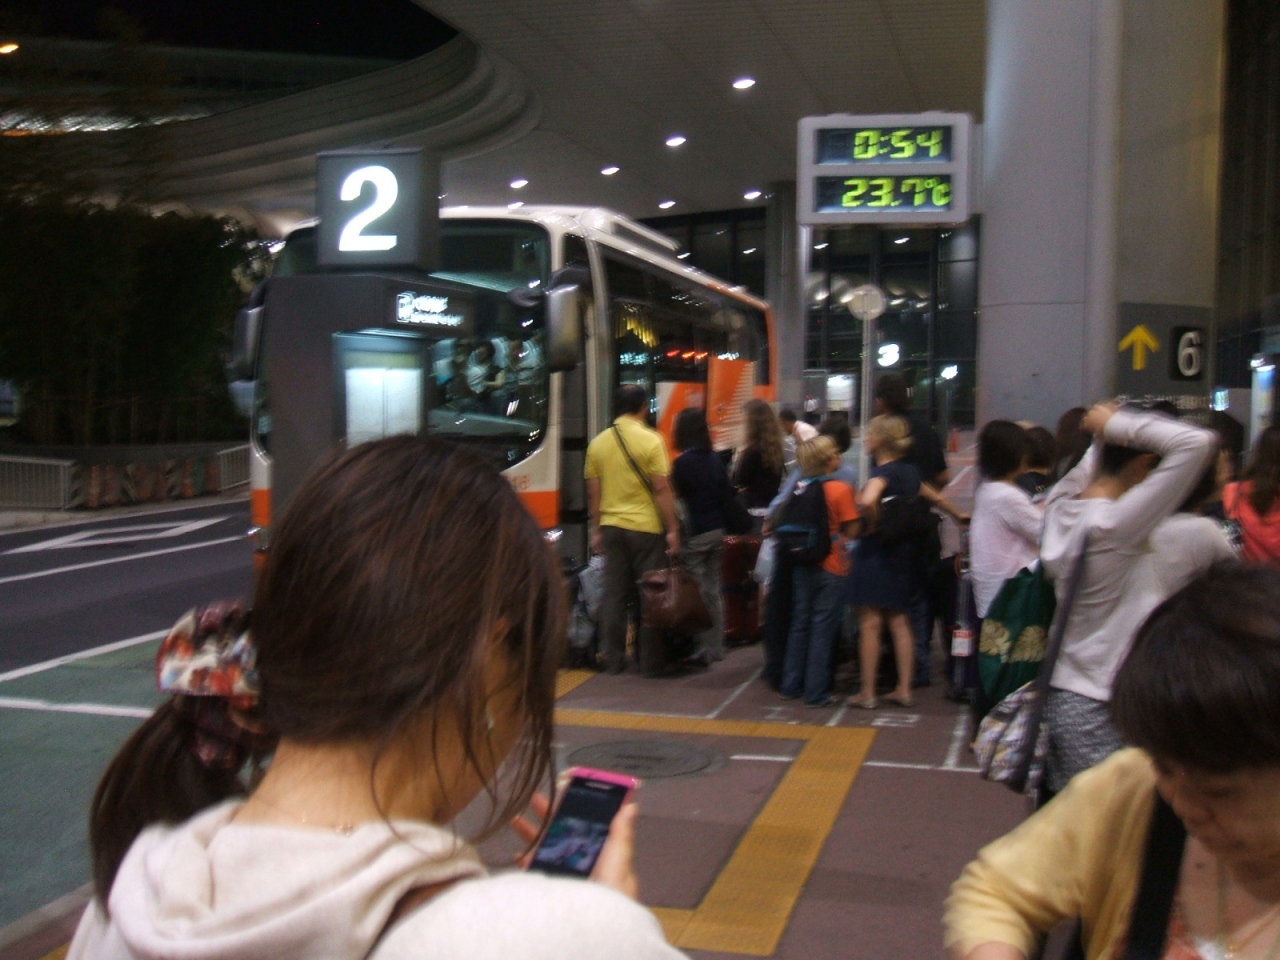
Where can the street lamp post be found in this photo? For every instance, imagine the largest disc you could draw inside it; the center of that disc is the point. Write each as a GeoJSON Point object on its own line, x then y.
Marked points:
{"type": "Point", "coordinates": [867, 303]}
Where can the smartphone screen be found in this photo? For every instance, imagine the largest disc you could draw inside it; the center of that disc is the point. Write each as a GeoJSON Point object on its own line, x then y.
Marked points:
{"type": "Point", "coordinates": [573, 841]}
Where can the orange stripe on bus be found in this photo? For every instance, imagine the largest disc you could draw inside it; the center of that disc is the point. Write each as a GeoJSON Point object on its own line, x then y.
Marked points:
{"type": "Point", "coordinates": [260, 507]}
{"type": "Point", "coordinates": [544, 505]}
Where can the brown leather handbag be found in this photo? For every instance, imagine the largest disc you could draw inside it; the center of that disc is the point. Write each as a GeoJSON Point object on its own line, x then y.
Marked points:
{"type": "Point", "coordinates": [670, 599]}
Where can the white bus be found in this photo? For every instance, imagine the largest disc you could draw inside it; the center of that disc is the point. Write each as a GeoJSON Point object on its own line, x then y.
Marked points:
{"type": "Point", "coordinates": [691, 339]}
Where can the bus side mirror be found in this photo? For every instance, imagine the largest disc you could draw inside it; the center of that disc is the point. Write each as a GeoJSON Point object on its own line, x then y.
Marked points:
{"type": "Point", "coordinates": [563, 328]}
{"type": "Point", "coordinates": [244, 344]}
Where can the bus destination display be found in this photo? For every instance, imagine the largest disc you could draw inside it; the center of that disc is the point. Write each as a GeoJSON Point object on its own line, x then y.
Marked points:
{"type": "Point", "coordinates": [929, 194]}
{"type": "Point", "coordinates": [884, 145]}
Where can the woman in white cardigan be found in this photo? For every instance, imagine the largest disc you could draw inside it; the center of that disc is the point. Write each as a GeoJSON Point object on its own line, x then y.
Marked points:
{"type": "Point", "coordinates": [404, 643]}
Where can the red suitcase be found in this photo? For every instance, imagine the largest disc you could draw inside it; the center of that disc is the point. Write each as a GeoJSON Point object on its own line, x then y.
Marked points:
{"type": "Point", "coordinates": [739, 592]}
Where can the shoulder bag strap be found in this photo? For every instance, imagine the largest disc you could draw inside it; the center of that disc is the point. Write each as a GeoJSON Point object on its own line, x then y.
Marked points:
{"type": "Point", "coordinates": [1041, 687]}
{"type": "Point", "coordinates": [644, 479]}
{"type": "Point", "coordinates": [1161, 871]}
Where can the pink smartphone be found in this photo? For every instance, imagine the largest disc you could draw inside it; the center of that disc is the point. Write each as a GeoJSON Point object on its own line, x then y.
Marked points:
{"type": "Point", "coordinates": [577, 832]}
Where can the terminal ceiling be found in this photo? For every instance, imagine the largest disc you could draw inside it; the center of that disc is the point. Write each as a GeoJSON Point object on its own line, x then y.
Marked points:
{"type": "Point", "coordinates": [614, 79]}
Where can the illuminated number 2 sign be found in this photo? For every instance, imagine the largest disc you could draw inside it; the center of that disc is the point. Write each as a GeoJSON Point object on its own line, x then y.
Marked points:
{"type": "Point", "coordinates": [376, 209]}
{"type": "Point", "coordinates": [385, 190]}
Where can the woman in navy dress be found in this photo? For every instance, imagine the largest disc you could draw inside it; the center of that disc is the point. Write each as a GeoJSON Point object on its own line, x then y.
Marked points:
{"type": "Point", "coordinates": [883, 573]}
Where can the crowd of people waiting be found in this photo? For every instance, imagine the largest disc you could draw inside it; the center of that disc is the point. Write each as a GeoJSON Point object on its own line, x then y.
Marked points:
{"type": "Point", "coordinates": [410, 620]}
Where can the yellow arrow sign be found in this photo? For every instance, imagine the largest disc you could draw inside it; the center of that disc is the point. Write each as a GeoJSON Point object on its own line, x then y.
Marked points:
{"type": "Point", "coordinates": [1142, 340]}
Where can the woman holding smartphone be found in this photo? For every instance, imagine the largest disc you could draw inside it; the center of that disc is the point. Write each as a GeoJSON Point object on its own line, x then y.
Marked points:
{"type": "Point", "coordinates": [405, 637]}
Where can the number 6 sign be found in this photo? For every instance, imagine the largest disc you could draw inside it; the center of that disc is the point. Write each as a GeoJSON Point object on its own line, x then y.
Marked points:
{"type": "Point", "coordinates": [377, 208]}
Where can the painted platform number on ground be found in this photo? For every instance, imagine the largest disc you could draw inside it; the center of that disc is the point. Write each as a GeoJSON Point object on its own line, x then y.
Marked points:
{"type": "Point", "coordinates": [896, 720]}
{"type": "Point", "coordinates": [1187, 360]}
{"type": "Point", "coordinates": [1140, 340]}
{"type": "Point", "coordinates": [113, 535]}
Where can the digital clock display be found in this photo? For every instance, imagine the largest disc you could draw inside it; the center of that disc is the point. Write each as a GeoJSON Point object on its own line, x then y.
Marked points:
{"type": "Point", "coordinates": [931, 194]}
{"type": "Point", "coordinates": [884, 145]}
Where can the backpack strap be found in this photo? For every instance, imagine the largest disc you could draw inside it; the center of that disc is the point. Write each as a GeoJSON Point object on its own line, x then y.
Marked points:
{"type": "Point", "coordinates": [1161, 870]}
{"type": "Point", "coordinates": [640, 474]}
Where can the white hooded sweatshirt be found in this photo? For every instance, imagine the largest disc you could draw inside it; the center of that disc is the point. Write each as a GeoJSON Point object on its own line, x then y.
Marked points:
{"type": "Point", "coordinates": [210, 889]}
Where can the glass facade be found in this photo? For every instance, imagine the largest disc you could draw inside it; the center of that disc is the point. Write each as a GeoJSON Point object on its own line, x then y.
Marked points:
{"type": "Point", "coordinates": [728, 244]}
{"type": "Point", "coordinates": [929, 332]}
{"type": "Point", "coordinates": [1249, 265]}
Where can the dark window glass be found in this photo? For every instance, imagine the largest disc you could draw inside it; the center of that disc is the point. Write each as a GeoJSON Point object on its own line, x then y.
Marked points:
{"type": "Point", "coordinates": [955, 335]}
{"type": "Point", "coordinates": [958, 285]}
{"type": "Point", "coordinates": [713, 248]}
{"type": "Point", "coordinates": [958, 243]}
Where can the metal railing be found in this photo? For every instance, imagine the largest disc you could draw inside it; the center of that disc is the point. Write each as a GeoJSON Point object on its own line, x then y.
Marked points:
{"type": "Point", "coordinates": [31, 483]}
{"type": "Point", "coordinates": [233, 467]}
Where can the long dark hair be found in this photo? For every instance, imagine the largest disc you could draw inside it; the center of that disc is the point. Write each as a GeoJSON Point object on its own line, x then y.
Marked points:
{"type": "Point", "coordinates": [1264, 470]}
{"type": "Point", "coordinates": [1071, 442]}
{"type": "Point", "coordinates": [393, 568]}
{"type": "Point", "coordinates": [691, 432]}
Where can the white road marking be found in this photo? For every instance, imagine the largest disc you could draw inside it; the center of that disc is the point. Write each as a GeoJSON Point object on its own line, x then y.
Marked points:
{"type": "Point", "coordinates": [838, 716]}
{"type": "Point", "coordinates": [239, 538]}
{"type": "Point", "coordinates": [762, 756]}
{"type": "Point", "coordinates": [736, 693]}
{"type": "Point", "coordinates": [130, 534]}
{"type": "Point", "coordinates": [896, 720]}
{"type": "Point", "coordinates": [958, 738]}
{"type": "Point", "coordinates": [82, 655]}
{"type": "Point", "coordinates": [126, 512]}
{"type": "Point", "coordinates": [919, 766]}
{"type": "Point", "coordinates": [90, 709]}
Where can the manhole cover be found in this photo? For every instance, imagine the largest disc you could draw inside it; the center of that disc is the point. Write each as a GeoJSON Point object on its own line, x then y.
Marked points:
{"type": "Point", "coordinates": [648, 759]}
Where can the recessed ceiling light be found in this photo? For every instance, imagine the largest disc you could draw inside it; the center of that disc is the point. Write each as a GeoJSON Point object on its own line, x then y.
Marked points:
{"type": "Point", "coordinates": [517, 184]}
{"type": "Point", "coordinates": [609, 171]}
{"type": "Point", "coordinates": [681, 256]}
{"type": "Point", "coordinates": [442, 196]}
{"type": "Point", "coordinates": [666, 204]}
{"type": "Point", "coordinates": [751, 195]}
{"type": "Point", "coordinates": [744, 83]}
{"type": "Point", "coordinates": [902, 240]}
{"type": "Point", "coordinates": [819, 246]}
{"type": "Point", "coordinates": [748, 251]}
{"type": "Point", "coordinates": [515, 206]}
{"type": "Point", "coordinates": [675, 141]}
{"type": "Point", "coordinates": [8, 48]}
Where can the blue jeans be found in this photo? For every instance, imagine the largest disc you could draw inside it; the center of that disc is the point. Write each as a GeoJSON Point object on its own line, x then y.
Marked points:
{"type": "Point", "coordinates": [920, 613]}
{"type": "Point", "coordinates": [817, 600]}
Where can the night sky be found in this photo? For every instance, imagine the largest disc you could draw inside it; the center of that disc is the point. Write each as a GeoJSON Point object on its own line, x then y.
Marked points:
{"type": "Point", "coordinates": [391, 29]}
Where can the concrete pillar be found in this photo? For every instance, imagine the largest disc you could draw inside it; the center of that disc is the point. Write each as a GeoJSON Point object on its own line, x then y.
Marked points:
{"type": "Point", "coordinates": [782, 289]}
{"type": "Point", "coordinates": [1101, 175]}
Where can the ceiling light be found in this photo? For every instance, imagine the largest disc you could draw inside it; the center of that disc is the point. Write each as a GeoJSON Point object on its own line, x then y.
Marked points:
{"type": "Point", "coordinates": [515, 206]}
{"type": "Point", "coordinates": [518, 184]}
{"type": "Point", "coordinates": [441, 196]}
{"type": "Point", "coordinates": [8, 48]}
{"type": "Point", "coordinates": [950, 373]}
{"type": "Point", "coordinates": [819, 246]}
{"type": "Point", "coordinates": [666, 204]}
{"type": "Point", "coordinates": [744, 83]}
{"type": "Point", "coordinates": [747, 252]}
{"type": "Point", "coordinates": [609, 171]}
{"type": "Point", "coordinates": [675, 141]}
{"type": "Point", "coordinates": [681, 256]}
{"type": "Point", "coordinates": [902, 240]}
{"type": "Point", "coordinates": [751, 195]}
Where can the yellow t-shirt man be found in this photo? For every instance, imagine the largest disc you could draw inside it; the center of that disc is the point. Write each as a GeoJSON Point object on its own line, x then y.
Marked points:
{"type": "Point", "coordinates": [624, 501]}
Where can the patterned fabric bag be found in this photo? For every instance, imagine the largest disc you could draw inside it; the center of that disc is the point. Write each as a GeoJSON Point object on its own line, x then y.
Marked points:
{"type": "Point", "coordinates": [1012, 740]}
{"type": "Point", "coordinates": [1015, 635]}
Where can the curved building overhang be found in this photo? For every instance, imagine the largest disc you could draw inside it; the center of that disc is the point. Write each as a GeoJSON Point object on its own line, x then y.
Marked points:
{"type": "Point", "coordinates": [258, 162]}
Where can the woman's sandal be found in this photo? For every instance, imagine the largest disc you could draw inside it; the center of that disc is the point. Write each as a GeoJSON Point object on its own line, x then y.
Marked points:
{"type": "Point", "coordinates": [898, 701]}
{"type": "Point", "coordinates": [862, 703]}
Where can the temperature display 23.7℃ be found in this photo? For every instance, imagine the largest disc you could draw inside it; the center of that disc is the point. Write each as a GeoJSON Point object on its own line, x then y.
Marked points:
{"type": "Point", "coordinates": [885, 145]}
{"type": "Point", "coordinates": [917, 192]}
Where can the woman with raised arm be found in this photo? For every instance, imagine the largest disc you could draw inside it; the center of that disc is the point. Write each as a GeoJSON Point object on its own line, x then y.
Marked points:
{"type": "Point", "coordinates": [403, 645]}
{"type": "Point", "coordinates": [1170, 849]}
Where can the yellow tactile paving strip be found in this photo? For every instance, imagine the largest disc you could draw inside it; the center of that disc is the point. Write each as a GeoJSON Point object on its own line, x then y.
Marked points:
{"type": "Point", "coordinates": [749, 905]}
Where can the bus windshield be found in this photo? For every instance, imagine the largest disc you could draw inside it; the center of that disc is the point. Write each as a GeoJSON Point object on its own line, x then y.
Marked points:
{"type": "Point", "coordinates": [490, 386]}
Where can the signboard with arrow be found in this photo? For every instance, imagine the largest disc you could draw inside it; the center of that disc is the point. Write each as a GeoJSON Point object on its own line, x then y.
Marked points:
{"type": "Point", "coordinates": [1162, 351]}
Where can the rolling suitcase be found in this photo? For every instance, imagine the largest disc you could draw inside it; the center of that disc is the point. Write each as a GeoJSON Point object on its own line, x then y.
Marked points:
{"type": "Point", "coordinates": [739, 592]}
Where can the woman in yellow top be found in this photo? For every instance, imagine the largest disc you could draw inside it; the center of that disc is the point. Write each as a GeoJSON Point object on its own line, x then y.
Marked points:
{"type": "Point", "coordinates": [1199, 699]}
